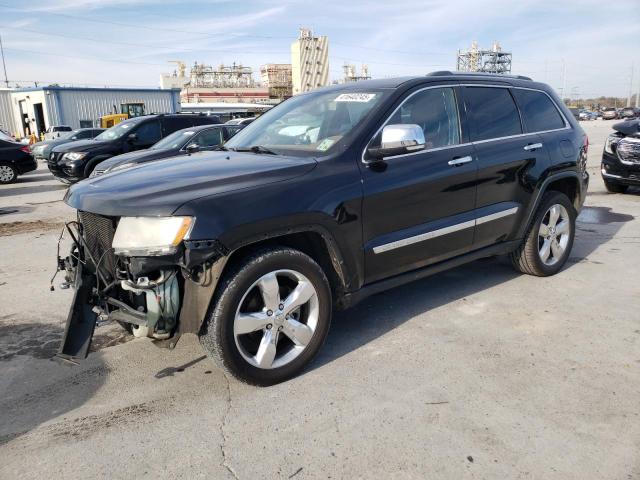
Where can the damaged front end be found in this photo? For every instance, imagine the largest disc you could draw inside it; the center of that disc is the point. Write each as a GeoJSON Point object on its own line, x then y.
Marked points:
{"type": "Point", "coordinates": [142, 272]}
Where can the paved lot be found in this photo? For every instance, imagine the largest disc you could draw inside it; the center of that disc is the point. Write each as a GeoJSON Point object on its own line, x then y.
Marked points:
{"type": "Point", "coordinates": [474, 373]}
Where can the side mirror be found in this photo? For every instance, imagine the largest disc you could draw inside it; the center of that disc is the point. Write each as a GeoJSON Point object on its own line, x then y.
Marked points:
{"type": "Point", "coordinates": [192, 148]}
{"type": "Point", "coordinates": [398, 140]}
{"type": "Point", "coordinates": [132, 138]}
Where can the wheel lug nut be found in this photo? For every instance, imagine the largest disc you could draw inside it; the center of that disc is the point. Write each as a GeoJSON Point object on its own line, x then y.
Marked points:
{"type": "Point", "coordinates": [269, 312]}
{"type": "Point", "coordinates": [281, 306]}
{"type": "Point", "coordinates": [269, 326]}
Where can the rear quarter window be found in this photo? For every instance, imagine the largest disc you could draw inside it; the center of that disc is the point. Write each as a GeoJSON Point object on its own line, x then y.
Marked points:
{"type": "Point", "coordinates": [538, 111]}
{"type": "Point", "coordinates": [493, 113]}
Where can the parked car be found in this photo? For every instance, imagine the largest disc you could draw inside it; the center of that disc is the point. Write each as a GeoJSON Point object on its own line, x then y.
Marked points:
{"type": "Point", "coordinates": [609, 113]}
{"type": "Point", "coordinates": [621, 157]}
{"type": "Point", "coordinates": [15, 159]}
{"type": "Point", "coordinates": [240, 121]}
{"type": "Point", "coordinates": [42, 150]}
{"type": "Point", "coordinates": [587, 115]}
{"type": "Point", "coordinates": [183, 142]}
{"type": "Point", "coordinates": [329, 197]}
{"type": "Point", "coordinates": [74, 161]}
{"type": "Point", "coordinates": [629, 112]}
{"type": "Point", "coordinates": [56, 131]}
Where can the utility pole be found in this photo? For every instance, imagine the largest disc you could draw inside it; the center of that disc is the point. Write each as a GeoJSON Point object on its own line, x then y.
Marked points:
{"type": "Point", "coordinates": [630, 87]}
{"type": "Point", "coordinates": [638, 94]}
{"type": "Point", "coordinates": [4, 65]}
{"type": "Point", "coordinates": [564, 79]}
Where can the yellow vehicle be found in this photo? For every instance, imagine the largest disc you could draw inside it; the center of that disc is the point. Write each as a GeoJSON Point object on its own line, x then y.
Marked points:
{"type": "Point", "coordinates": [108, 121]}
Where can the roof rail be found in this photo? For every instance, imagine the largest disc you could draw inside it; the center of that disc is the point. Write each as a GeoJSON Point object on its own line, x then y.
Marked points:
{"type": "Point", "coordinates": [443, 73]}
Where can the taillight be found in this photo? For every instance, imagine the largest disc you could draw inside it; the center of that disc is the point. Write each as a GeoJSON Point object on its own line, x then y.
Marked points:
{"type": "Point", "coordinates": [26, 149]}
{"type": "Point", "coordinates": [586, 144]}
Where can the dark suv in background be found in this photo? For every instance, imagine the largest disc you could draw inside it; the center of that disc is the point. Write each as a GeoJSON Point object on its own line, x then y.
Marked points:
{"type": "Point", "coordinates": [74, 161]}
{"type": "Point", "coordinates": [331, 196]}
{"type": "Point", "coordinates": [620, 167]}
{"type": "Point", "coordinates": [42, 150]}
{"type": "Point", "coordinates": [183, 142]}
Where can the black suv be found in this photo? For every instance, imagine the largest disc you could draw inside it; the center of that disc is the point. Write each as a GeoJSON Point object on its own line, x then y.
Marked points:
{"type": "Point", "coordinates": [331, 196]}
{"type": "Point", "coordinates": [183, 142]}
{"type": "Point", "coordinates": [621, 157]}
{"type": "Point", "coordinates": [74, 161]}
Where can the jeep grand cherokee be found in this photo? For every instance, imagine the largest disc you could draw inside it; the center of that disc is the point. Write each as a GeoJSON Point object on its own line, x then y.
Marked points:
{"type": "Point", "coordinates": [331, 196]}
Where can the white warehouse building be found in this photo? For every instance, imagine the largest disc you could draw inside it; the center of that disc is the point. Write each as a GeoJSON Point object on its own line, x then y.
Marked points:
{"type": "Point", "coordinates": [33, 110]}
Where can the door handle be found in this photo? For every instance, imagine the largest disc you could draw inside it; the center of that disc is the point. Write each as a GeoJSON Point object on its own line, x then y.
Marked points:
{"type": "Point", "coordinates": [460, 161]}
{"type": "Point", "coordinates": [532, 146]}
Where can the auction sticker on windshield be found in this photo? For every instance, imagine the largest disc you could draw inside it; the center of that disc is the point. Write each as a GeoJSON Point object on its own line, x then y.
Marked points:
{"type": "Point", "coordinates": [325, 145]}
{"type": "Point", "coordinates": [355, 97]}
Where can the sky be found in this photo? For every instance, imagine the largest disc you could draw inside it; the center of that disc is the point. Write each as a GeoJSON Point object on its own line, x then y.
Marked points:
{"type": "Point", "coordinates": [587, 47]}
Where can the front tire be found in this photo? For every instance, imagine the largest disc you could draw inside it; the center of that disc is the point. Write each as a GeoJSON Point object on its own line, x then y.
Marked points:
{"type": "Point", "coordinates": [269, 317]}
{"type": "Point", "coordinates": [615, 187]}
{"type": "Point", "coordinates": [8, 173]}
{"type": "Point", "coordinates": [549, 239]}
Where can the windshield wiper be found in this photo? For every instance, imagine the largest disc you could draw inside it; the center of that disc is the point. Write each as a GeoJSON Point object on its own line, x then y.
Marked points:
{"type": "Point", "coordinates": [221, 147]}
{"type": "Point", "coordinates": [256, 149]}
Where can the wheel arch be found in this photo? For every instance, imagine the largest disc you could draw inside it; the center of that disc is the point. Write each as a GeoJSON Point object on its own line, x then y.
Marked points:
{"type": "Point", "coordinates": [91, 164]}
{"type": "Point", "coordinates": [563, 182]}
{"type": "Point", "coordinates": [314, 241]}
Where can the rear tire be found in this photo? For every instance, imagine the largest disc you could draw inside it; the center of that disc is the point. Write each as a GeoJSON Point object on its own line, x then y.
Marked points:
{"type": "Point", "coordinates": [548, 241]}
{"type": "Point", "coordinates": [269, 316]}
{"type": "Point", "coordinates": [615, 187]}
{"type": "Point", "coordinates": [8, 173]}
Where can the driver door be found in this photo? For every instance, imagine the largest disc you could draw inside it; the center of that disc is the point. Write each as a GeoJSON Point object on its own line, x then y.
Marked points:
{"type": "Point", "coordinates": [418, 207]}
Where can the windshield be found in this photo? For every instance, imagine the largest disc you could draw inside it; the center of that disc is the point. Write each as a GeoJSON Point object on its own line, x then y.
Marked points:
{"type": "Point", "coordinates": [174, 141]}
{"type": "Point", "coordinates": [117, 131]}
{"type": "Point", "coordinates": [307, 125]}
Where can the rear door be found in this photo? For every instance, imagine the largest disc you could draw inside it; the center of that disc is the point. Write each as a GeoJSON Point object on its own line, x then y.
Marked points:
{"type": "Point", "coordinates": [505, 155]}
{"type": "Point", "coordinates": [418, 207]}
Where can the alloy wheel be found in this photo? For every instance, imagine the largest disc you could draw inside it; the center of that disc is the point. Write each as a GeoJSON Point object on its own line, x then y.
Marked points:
{"type": "Point", "coordinates": [6, 174]}
{"type": "Point", "coordinates": [276, 319]}
{"type": "Point", "coordinates": [554, 234]}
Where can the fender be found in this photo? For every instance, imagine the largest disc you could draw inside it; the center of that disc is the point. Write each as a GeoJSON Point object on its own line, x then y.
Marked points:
{"type": "Point", "coordinates": [538, 193]}
{"type": "Point", "coordinates": [91, 164]}
{"type": "Point", "coordinates": [199, 294]}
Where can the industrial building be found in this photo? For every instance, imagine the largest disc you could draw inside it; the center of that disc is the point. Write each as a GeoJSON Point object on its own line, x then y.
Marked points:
{"type": "Point", "coordinates": [277, 78]}
{"type": "Point", "coordinates": [205, 84]}
{"type": "Point", "coordinates": [309, 62]}
{"type": "Point", "coordinates": [33, 110]}
{"type": "Point", "coordinates": [8, 121]}
{"type": "Point", "coordinates": [488, 61]}
{"type": "Point", "coordinates": [350, 74]}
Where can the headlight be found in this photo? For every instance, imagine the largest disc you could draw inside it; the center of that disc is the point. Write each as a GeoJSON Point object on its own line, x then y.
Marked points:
{"type": "Point", "coordinates": [72, 156]}
{"type": "Point", "coordinates": [610, 143]}
{"type": "Point", "coordinates": [151, 236]}
{"type": "Point", "coordinates": [121, 167]}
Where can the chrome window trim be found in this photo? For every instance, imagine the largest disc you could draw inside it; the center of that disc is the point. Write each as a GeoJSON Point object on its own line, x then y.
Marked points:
{"type": "Point", "coordinates": [384, 124]}
{"type": "Point", "coordinates": [564, 119]}
{"type": "Point", "coordinates": [444, 231]}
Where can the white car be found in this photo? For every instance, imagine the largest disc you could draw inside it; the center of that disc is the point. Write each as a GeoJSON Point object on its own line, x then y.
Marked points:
{"type": "Point", "coordinates": [55, 131]}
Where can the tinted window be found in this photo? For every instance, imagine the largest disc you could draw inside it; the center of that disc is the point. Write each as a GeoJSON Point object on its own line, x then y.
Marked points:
{"type": "Point", "coordinates": [208, 138]}
{"type": "Point", "coordinates": [148, 133]}
{"type": "Point", "coordinates": [84, 134]}
{"type": "Point", "coordinates": [493, 113]}
{"type": "Point", "coordinates": [172, 124]}
{"type": "Point", "coordinates": [538, 111]}
{"type": "Point", "coordinates": [436, 112]}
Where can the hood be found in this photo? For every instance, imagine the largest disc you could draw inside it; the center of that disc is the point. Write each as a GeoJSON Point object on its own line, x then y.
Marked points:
{"type": "Point", "coordinates": [138, 156]}
{"type": "Point", "coordinates": [628, 128]}
{"type": "Point", "coordinates": [159, 188]}
{"type": "Point", "coordinates": [83, 146]}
